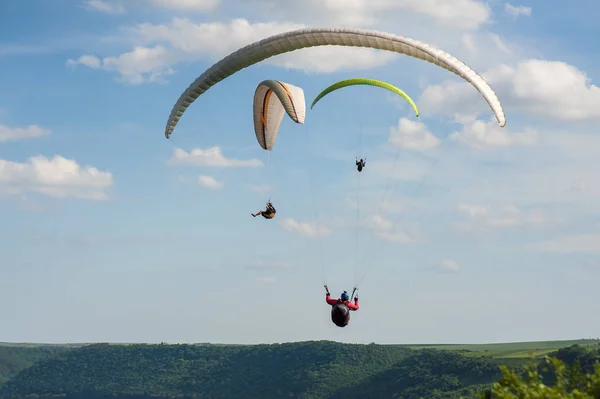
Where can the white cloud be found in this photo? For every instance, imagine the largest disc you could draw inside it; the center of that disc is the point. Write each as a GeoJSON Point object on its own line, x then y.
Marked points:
{"type": "Point", "coordinates": [88, 60]}
{"type": "Point", "coordinates": [500, 43]}
{"type": "Point", "coordinates": [143, 64]}
{"type": "Point", "coordinates": [412, 135]}
{"type": "Point", "coordinates": [212, 39]}
{"type": "Point", "coordinates": [460, 14]}
{"type": "Point", "coordinates": [485, 217]}
{"type": "Point", "coordinates": [484, 47]}
{"type": "Point", "coordinates": [115, 8]}
{"type": "Point", "coordinates": [267, 280]}
{"type": "Point", "coordinates": [484, 50]}
{"type": "Point", "coordinates": [479, 134]}
{"type": "Point", "coordinates": [105, 7]}
{"type": "Point", "coordinates": [388, 230]}
{"type": "Point", "coordinates": [326, 60]}
{"type": "Point", "coordinates": [8, 133]}
{"type": "Point", "coordinates": [140, 65]}
{"type": "Point", "coordinates": [396, 231]}
{"type": "Point", "coordinates": [550, 89]}
{"type": "Point", "coordinates": [378, 222]}
{"type": "Point", "coordinates": [212, 156]}
{"type": "Point", "coordinates": [187, 5]}
{"type": "Point", "coordinates": [468, 42]}
{"type": "Point", "coordinates": [56, 177]}
{"type": "Point", "coordinates": [160, 47]}
{"type": "Point", "coordinates": [305, 229]}
{"type": "Point", "coordinates": [210, 182]}
{"type": "Point", "coordinates": [517, 11]}
{"type": "Point", "coordinates": [450, 265]}
{"type": "Point", "coordinates": [570, 244]}
{"type": "Point", "coordinates": [466, 14]}
{"type": "Point", "coordinates": [555, 89]}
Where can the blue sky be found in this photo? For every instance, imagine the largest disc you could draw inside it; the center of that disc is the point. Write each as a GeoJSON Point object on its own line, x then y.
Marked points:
{"type": "Point", "coordinates": [487, 235]}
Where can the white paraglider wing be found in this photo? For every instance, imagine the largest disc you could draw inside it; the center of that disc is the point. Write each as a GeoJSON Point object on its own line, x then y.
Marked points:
{"type": "Point", "coordinates": [311, 37]}
{"type": "Point", "coordinates": [271, 99]}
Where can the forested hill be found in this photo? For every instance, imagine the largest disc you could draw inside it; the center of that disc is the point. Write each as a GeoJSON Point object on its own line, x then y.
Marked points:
{"type": "Point", "coordinates": [308, 370]}
{"type": "Point", "coordinates": [297, 370]}
{"type": "Point", "coordinates": [15, 358]}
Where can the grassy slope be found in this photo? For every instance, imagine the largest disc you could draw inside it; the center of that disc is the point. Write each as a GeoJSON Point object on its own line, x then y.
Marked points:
{"type": "Point", "coordinates": [511, 349]}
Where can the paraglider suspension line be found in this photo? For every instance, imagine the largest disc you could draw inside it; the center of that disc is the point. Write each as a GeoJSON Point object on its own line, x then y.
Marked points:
{"type": "Point", "coordinates": [270, 172]}
{"type": "Point", "coordinates": [315, 211]}
{"type": "Point", "coordinates": [380, 209]}
{"type": "Point", "coordinates": [395, 225]}
{"type": "Point", "coordinates": [356, 234]}
{"type": "Point", "coordinates": [170, 140]}
{"type": "Point", "coordinates": [356, 263]}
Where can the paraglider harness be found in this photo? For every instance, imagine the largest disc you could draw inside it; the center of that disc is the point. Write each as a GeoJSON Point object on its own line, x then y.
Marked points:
{"type": "Point", "coordinates": [270, 210]}
{"type": "Point", "coordinates": [361, 164]}
{"type": "Point", "coordinates": [340, 313]}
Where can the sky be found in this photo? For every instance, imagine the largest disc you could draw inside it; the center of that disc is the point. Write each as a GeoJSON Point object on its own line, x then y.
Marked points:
{"type": "Point", "coordinates": [457, 231]}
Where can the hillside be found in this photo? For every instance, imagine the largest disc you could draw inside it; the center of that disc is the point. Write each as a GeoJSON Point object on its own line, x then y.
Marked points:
{"type": "Point", "coordinates": [15, 358]}
{"type": "Point", "coordinates": [307, 370]}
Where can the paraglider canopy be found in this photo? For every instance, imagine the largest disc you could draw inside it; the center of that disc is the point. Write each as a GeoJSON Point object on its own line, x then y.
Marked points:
{"type": "Point", "coordinates": [311, 37]}
{"type": "Point", "coordinates": [269, 109]}
{"type": "Point", "coordinates": [369, 82]}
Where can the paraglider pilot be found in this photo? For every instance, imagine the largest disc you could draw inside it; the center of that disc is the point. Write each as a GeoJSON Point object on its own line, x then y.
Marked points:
{"type": "Point", "coordinates": [360, 164]}
{"type": "Point", "coordinates": [340, 308]}
{"type": "Point", "coordinates": [268, 213]}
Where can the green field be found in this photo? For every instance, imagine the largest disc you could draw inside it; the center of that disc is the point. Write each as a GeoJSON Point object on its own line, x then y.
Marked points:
{"type": "Point", "coordinates": [515, 350]}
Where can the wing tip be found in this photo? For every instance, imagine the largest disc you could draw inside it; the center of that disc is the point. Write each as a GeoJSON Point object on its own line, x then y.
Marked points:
{"type": "Point", "coordinates": [502, 121]}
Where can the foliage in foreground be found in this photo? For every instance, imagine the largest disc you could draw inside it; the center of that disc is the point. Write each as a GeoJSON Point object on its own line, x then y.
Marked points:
{"type": "Point", "coordinates": [567, 382]}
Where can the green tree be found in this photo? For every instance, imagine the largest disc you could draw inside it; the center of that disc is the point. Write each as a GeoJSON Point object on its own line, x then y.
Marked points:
{"type": "Point", "coordinates": [569, 382]}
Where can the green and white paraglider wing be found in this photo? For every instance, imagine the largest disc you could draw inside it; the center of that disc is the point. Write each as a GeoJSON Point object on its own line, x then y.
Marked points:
{"type": "Point", "coordinates": [369, 82]}
{"type": "Point", "coordinates": [271, 99]}
{"type": "Point", "coordinates": [312, 37]}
